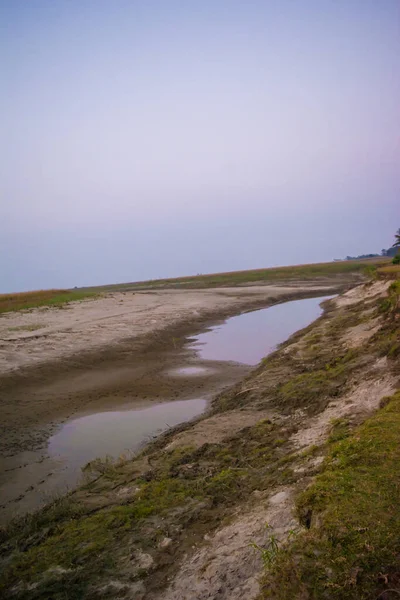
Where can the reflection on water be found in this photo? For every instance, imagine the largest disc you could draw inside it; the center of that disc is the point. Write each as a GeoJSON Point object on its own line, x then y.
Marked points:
{"type": "Point", "coordinates": [116, 432]}
{"type": "Point", "coordinates": [183, 371]}
{"type": "Point", "coordinates": [251, 336]}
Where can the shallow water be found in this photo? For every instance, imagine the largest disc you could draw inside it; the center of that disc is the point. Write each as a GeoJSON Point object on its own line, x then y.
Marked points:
{"type": "Point", "coordinates": [246, 338]}
{"type": "Point", "coordinates": [249, 337]}
{"type": "Point", "coordinates": [114, 433]}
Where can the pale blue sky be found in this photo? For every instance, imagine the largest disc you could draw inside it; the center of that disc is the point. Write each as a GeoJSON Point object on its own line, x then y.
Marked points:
{"type": "Point", "coordinates": [148, 139]}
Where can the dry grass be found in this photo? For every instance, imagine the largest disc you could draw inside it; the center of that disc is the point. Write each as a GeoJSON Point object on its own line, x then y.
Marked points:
{"type": "Point", "coordinates": [389, 271]}
{"type": "Point", "coordinates": [19, 301]}
{"type": "Point", "coordinates": [254, 276]}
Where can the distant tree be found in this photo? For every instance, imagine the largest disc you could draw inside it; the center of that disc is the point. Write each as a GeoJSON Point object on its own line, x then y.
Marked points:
{"type": "Point", "coordinates": [396, 258]}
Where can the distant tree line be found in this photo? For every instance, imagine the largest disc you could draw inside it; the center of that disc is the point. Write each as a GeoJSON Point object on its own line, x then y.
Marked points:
{"type": "Point", "coordinates": [363, 256]}
{"type": "Point", "coordinates": [393, 251]}
{"type": "Point", "coordinates": [390, 251]}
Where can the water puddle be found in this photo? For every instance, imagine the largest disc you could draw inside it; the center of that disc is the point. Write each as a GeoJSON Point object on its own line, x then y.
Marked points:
{"type": "Point", "coordinates": [250, 337]}
{"type": "Point", "coordinates": [117, 432]}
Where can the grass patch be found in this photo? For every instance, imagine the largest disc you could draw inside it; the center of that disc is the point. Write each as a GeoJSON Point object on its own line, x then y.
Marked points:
{"type": "Point", "coordinates": [32, 327]}
{"type": "Point", "coordinates": [352, 550]}
{"type": "Point", "coordinates": [24, 300]}
{"type": "Point", "coordinates": [312, 389]}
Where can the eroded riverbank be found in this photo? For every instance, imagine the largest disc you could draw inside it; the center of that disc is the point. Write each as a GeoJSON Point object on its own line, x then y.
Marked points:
{"type": "Point", "coordinates": [181, 519]}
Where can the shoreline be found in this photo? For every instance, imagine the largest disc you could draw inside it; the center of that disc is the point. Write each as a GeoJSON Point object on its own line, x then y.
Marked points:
{"type": "Point", "coordinates": [114, 386]}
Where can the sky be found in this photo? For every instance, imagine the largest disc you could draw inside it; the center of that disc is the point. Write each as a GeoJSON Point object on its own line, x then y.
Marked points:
{"type": "Point", "coordinates": [145, 139]}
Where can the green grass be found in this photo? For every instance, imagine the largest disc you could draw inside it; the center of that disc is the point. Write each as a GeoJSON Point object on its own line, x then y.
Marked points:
{"type": "Point", "coordinates": [26, 300]}
{"type": "Point", "coordinates": [352, 550]}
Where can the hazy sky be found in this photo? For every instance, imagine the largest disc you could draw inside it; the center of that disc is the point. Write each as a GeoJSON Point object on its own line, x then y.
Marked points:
{"type": "Point", "coordinates": [160, 138]}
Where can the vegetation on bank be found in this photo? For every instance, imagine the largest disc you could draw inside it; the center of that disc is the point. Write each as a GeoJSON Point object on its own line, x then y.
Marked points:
{"type": "Point", "coordinates": [350, 548]}
{"type": "Point", "coordinates": [24, 300]}
{"type": "Point", "coordinates": [389, 272]}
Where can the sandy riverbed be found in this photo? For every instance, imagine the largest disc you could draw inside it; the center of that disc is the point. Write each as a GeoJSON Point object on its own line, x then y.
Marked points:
{"type": "Point", "coordinates": [109, 353]}
{"type": "Point", "coordinates": [36, 336]}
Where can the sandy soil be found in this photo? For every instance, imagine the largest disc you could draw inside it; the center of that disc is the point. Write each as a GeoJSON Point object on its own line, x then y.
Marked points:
{"type": "Point", "coordinates": [32, 337]}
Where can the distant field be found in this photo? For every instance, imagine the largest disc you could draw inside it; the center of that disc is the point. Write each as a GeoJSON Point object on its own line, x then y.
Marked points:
{"type": "Point", "coordinates": [11, 302]}
{"type": "Point", "coordinates": [232, 278]}
{"type": "Point", "coordinates": [23, 300]}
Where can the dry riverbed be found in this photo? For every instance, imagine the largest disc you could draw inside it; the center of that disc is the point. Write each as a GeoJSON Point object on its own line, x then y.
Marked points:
{"type": "Point", "coordinates": [116, 352]}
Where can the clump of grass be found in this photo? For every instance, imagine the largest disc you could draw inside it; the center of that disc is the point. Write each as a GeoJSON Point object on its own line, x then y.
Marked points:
{"type": "Point", "coordinates": [271, 549]}
{"type": "Point", "coordinates": [340, 429]}
{"type": "Point", "coordinates": [390, 305]}
{"type": "Point", "coordinates": [352, 549]}
{"type": "Point", "coordinates": [24, 300]}
{"type": "Point", "coordinates": [107, 466]}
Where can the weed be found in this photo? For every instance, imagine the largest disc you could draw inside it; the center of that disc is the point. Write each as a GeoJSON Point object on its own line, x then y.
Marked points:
{"type": "Point", "coordinates": [270, 551]}
{"type": "Point", "coordinates": [339, 430]}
